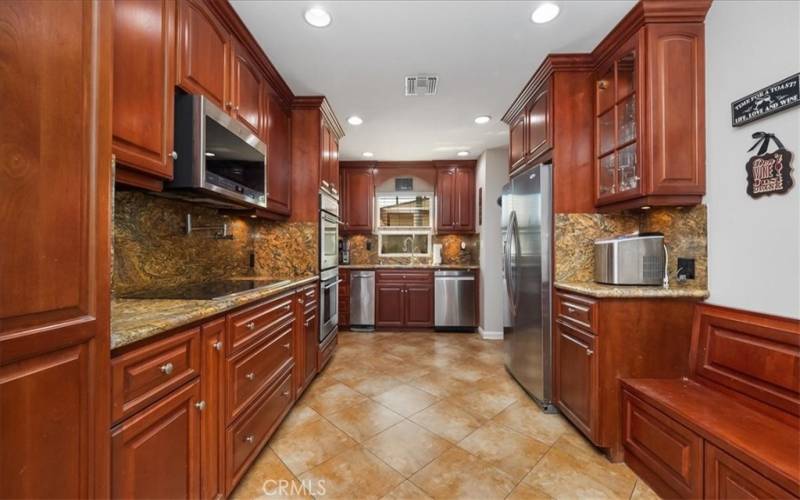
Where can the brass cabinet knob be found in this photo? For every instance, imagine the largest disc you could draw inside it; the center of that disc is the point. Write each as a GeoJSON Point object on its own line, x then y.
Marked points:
{"type": "Point", "coordinates": [200, 405]}
{"type": "Point", "coordinates": [251, 325]}
{"type": "Point", "coordinates": [167, 368]}
{"type": "Point", "coordinates": [249, 438]}
{"type": "Point", "coordinates": [250, 376]}
{"type": "Point", "coordinates": [217, 346]}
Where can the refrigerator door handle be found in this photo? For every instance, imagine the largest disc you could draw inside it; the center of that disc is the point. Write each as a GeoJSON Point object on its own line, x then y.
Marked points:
{"type": "Point", "coordinates": [512, 239]}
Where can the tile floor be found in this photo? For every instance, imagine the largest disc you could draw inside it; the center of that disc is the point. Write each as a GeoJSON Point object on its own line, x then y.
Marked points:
{"type": "Point", "coordinates": [417, 415]}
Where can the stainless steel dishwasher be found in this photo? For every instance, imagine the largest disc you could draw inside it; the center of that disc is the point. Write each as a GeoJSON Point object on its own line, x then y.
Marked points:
{"type": "Point", "coordinates": [362, 300]}
{"type": "Point", "coordinates": [455, 300]}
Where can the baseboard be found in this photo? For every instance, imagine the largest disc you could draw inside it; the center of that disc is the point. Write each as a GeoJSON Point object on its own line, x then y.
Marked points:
{"type": "Point", "coordinates": [490, 335]}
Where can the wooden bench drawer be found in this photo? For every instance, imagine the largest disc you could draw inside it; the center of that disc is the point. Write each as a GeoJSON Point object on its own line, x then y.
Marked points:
{"type": "Point", "coordinates": [245, 439]}
{"type": "Point", "coordinates": [245, 326]}
{"type": "Point", "coordinates": [402, 276]}
{"type": "Point", "coordinates": [727, 477]}
{"type": "Point", "coordinates": [578, 311]}
{"type": "Point", "coordinates": [146, 374]}
{"type": "Point", "coordinates": [655, 444]}
{"type": "Point", "coordinates": [250, 371]}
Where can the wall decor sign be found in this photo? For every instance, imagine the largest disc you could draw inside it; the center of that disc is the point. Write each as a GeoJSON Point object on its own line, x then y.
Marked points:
{"type": "Point", "coordinates": [768, 173]}
{"type": "Point", "coordinates": [769, 100]}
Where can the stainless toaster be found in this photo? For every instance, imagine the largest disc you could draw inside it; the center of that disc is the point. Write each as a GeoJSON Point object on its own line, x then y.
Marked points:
{"type": "Point", "coordinates": [630, 260]}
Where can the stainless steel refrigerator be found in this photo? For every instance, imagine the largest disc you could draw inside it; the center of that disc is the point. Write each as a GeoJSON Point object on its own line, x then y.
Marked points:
{"type": "Point", "coordinates": [527, 213]}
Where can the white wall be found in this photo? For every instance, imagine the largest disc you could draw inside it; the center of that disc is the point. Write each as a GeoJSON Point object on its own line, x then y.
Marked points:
{"type": "Point", "coordinates": [753, 245]}
{"type": "Point", "coordinates": [491, 175]}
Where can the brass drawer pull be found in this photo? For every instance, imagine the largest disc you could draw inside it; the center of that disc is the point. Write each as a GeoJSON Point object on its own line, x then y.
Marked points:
{"type": "Point", "coordinates": [286, 393]}
{"type": "Point", "coordinates": [287, 346]}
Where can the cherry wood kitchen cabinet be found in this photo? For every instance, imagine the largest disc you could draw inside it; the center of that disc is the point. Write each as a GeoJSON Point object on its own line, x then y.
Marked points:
{"type": "Point", "coordinates": [55, 182]}
{"type": "Point", "coordinates": [518, 140]}
{"type": "Point", "coordinates": [599, 340]}
{"type": "Point", "coordinates": [539, 123]}
{"type": "Point", "coordinates": [212, 422]}
{"type": "Point", "coordinates": [277, 129]}
{"type": "Point", "coordinates": [203, 53]}
{"type": "Point", "coordinates": [455, 197]}
{"type": "Point", "coordinates": [649, 102]}
{"type": "Point", "coordinates": [404, 298]}
{"type": "Point", "coordinates": [330, 161]}
{"type": "Point", "coordinates": [344, 298]}
{"type": "Point", "coordinates": [247, 90]}
{"type": "Point", "coordinates": [144, 90]}
{"type": "Point", "coordinates": [307, 337]}
{"type": "Point", "coordinates": [358, 198]}
{"type": "Point", "coordinates": [156, 453]}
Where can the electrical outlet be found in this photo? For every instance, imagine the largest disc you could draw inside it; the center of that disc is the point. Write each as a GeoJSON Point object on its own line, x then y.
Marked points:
{"type": "Point", "coordinates": [685, 269]}
{"type": "Point", "coordinates": [369, 246]}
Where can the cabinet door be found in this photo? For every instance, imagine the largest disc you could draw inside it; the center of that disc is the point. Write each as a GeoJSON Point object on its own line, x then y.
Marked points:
{"type": "Point", "coordinates": [279, 163]}
{"type": "Point", "coordinates": [55, 184]}
{"type": "Point", "coordinates": [333, 174]}
{"type": "Point", "coordinates": [576, 378]}
{"type": "Point", "coordinates": [465, 200]}
{"type": "Point", "coordinates": [445, 199]}
{"type": "Point", "coordinates": [418, 305]}
{"type": "Point", "coordinates": [728, 478]}
{"type": "Point", "coordinates": [358, 195]}
{"type": "Point", "coordinates": [325, 162]}
{"type": "Point", "coordinates": [211, 418]}
{"type": "Point", "coordinates": [389, 304]}
{"type": "Point", "coordinates": [203, 53]}
{"type": "Point", "coordinates": [144, 81]}
{"type": "Point", "coordinates": [539, 137]}
{"type": "Point", "coordinates": [156, 453]}
{"type": "Point", "coordinates": [311, 329]}
{"type": "Point", "coordinates": [516, 150]}
{"type": "Point", "coordinates": [247, 90]}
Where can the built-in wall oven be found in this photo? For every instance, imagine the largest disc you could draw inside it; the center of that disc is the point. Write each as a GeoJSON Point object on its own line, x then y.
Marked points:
{"type": "Point", "coordinates": [328, 231]}
{"type": "Point", "coordinates": [329, 302]}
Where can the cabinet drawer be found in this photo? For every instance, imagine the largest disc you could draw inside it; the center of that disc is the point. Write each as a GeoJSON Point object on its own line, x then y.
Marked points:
{"type": "Point", "coordinates": [399, 275]}
{"type": "Point", "coordinates": [726, 477]}
{"type": "Point", "coordinates": [245, 439]}
{"type": "Point", "coordinates": [308, 297]}
{"type": "Point", "coordinates": [326, 350]}
{"type": "Point", "coordinates": [144, 375]}
{"type": "Point", "coordinates": [257, 321]}
{"type": "Point", "coordinates": [249, 372]}
{"type": "Point", "coordinates": [662, 446]}
{"type": "Point", "coordinates": [578, 311]}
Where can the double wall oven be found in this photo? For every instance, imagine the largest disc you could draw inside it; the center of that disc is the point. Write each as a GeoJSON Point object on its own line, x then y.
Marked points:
{"type": "Point", "coordinates": [328, 264]}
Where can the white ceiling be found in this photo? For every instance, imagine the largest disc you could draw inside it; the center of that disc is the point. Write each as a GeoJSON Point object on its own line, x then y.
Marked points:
{"type": "Point", "coordinates": [483, 52]}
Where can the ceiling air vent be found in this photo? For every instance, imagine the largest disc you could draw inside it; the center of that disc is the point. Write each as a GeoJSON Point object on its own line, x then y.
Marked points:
{"type": "Point", "coordinates": [421, 85]}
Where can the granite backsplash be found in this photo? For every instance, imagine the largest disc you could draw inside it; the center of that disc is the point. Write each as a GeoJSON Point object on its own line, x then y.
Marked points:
{"type": "Point", "coordinates": [452, 254]}
{"type": "Point", "coordinates": [684, 229]}
{"type": "Point", "coordinates": [151, 249]}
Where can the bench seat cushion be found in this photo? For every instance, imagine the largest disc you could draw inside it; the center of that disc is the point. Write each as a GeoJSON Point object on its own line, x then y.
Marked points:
{"type": "Point", "coordinates": [769, 446]}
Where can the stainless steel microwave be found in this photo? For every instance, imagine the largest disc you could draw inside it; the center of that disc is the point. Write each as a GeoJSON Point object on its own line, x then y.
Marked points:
{"type": "Point", "coordinates": [216, 156]}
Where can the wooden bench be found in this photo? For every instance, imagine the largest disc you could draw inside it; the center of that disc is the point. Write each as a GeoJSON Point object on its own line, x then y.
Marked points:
{"type": "Point", "coordinates": [730, 430]}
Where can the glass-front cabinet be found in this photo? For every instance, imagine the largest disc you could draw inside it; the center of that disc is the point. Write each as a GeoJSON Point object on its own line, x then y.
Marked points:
{"type": "Point", "coordinates": [617, 124]}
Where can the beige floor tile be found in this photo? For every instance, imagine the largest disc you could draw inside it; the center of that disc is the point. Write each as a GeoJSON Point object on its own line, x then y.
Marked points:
{"type": "Point", "coordinates": [569, 472]}
{"type": "Point", "coordinates": [457, 474]}
{"type": "Point", "coordinates": [441, 384]}
{"type": "Point", "coordinates": [447, 420]}
{"type": "Point", "coordinates": [643, 492]}
{"type": "Point", "coordinates": [406, 400]}
{"type": "Point", "coordinates": [528, 419]}
{"type": "Point", "coordinates": [268, 477]}
{"type": "Point", "coordinates": [508, 450]}
{"type": "Point", "coordinates": [298, 416]}
{"type": "Point", "coordinates": [407, 447]}
{"type": "Point", "coordinates": [310, 444]}
{"type": "Point", "coordinates": [364, 420]}
{"type": "Point", "coordinates": [334, 398]}
{"type": "Point", "coordinates": [375, 384]}
{"type": "Point", "coordinates": [527, 492]}
{"type": "Point", "coordinates": [406, 491]}
{"type": "Point", "coordinates": [353, 474]}
{"type": "Point", "coordinates": [482, 404]}
{"type": "Point", "coordinates": [405, 372]}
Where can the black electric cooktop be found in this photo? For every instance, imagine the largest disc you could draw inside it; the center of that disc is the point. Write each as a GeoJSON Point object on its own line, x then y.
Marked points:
{"type": "Point", "coordinates": [207, 291]}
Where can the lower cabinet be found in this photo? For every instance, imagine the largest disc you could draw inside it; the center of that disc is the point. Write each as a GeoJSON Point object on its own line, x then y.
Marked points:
{"type": "Point", "coordinates": [212, 422]}
{"type": "Point", "coordinates": [576, 377]}
{"type": "Point", "coordinates": [404, 299]}
{"type": "Point", "coordinates": [156, 453]}
{"type": "Point", "coordinates": [727, 477]}
{"type": "Point", "coordinates": [418, 305]}
{"type": "Point", "coordinates": [389, 304]}
{"type": "Point", "coordinates": [307, 338]}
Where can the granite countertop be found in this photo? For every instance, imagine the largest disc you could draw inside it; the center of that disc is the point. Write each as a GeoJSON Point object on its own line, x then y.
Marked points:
{"type": "Point", "coordinates": [409, 266]}
{"type": "Point", "coordinates": [133, 320]}
{"type": "Point", "coordinates": [598, 290]}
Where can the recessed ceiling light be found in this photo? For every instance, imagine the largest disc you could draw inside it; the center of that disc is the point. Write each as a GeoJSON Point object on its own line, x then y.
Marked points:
{"type": "Point", "coordinates": [355, 120]}
{"type": "Point", "coordinates": [463, 153]}
{"type": "Point", "coordinates": [367, 154]}
{"type": "Point", "coordinates": [317, 17]}
{"type": "Point", "coordinates": [480, 120]}
{"type": "Point", "coordinates": [545, 13]}
{"type": "Point", "coordinates": [210, 154]}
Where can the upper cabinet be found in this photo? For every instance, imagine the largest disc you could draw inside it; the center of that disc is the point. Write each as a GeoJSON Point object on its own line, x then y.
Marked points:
{"type": "Point", "coordinates": [530, 132]}
{"type": "Point", "coordinates": [455, 197]}
{"type": "Point", "coordinates": [358, 198]}
{"type": "Point", "coordinates": [143, 95]}
{"type": "Point", "coordinates": [277, 130]}
{"type": "Point", "coordinates": [329, 171]}
{"type": "Point", "coordinates": [204, 51]}
{"type": "Point", "coordinates": [247, 89]}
